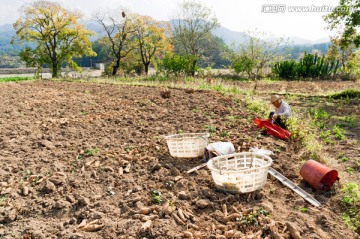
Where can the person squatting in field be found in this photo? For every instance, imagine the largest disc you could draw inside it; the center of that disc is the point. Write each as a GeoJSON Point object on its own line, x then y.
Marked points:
{"type": "Point", "coordinates": [282, 111]}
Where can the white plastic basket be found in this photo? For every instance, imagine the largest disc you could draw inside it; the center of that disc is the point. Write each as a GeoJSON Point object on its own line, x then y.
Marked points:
{"type": "Point", "coordinates": [188, 145]}
{"type": "Point", "coordinates": [240, 172]}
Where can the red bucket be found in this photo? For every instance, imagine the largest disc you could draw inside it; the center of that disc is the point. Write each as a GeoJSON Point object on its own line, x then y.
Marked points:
{"type": "Point", "coordinates": [318, 175]}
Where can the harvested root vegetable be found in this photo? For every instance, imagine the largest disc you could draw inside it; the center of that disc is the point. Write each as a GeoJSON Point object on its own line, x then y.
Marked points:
{"type": "Point", "coordinates": [186, 215]}
{"type": "Point", "coordinates": [108, 169]}
{"type": "Point", "coordinates": [148, 218]}
{"type": "Point", "coordinates": [188, 234]}
{"type": "Point", "coordinates": [193, 226]}
{"type": "Point", "coordinates": [220, 237]}
{"type": "Point", "coordinates": [83, 223]}
{"type": "Point", "coordinates": [121, 171]}
{"type": "Point", "coordinates": [295, 234]}
{"type": "Point", "coordinates": [145, 210]}
{"type": "Point", "coordinates": [276, 235]}
{"type": "Point", "coordinates": [229, 234]}
{"type": "Point", "coordinates": [177, 219]}
{"type": "Point", "coordinates": [88, 163]}
{"type": "Point", "coordinates": [224, 207]}
{"type": "Point", "coordinates": [34, 178]}
{"type": "Point", "coordinates": [167, 209]}
{"type": "Point", "coordinates": [181, 214]}
{"type": "Point", "coordinates": [61, 174]}
{"type": "Point", "coordinates": [248, 211]}
{"type": "Point", "coordinates": [25, 190]}
{"type": "Point", "coordinates": [221, 227]}
{"type": "Point", "coordinates": [255, 235]}
{"type": "Point", "coordinates": [92, 227]}
{"type": "Point", "coordinates": [127, 168]}
{"type": "Point", "coordinates": [232, 217]}
{"type": "Point", "coordinates": [5, 184]}
{"type": "Point", "coordinates": [146, 226]}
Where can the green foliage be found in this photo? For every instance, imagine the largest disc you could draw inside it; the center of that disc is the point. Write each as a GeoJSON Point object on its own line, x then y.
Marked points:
{"type": "Point", "coordinates": [192, 30]}
{"type": "Point", "coordinates": [345, 17]}
{"type": "Point", "coordinates": [311, 65]}
{"type": "Point", "coordinates": [350, 197]}
{"type": "Point", "coordinates": [210, 129]}
{"type": "Point", "coordinates": [91, 152]}
{"type": "Point", "coordinates": [224, 134]}
{"type": "Point", "coordinates": [177, 65]}
{"type": "Point", "coordinates": [242, 63]}
{"type": "Point", "coordinates": [338, 132]}
{"type": "Point", "coordinates": [259, 107]}
{"type": "Point", "coordinates": [349, 93]}
{"type": "Point", "coordinates": [8, 79]}
{"type": "Point", "coordinates": [319, 114]}
{"type": "Point", "coordinates": [255, 55]}
{"type": "Point", "coordinates": [304, 209]}
{"type": "Point", "coordinates": [156, 197]}
{"type": "Point", "coordinates": [56, 33]}
{"type": "Point", "coordinates": [285, 69]}
{"type": "Point", "coordinates": [350, 194]}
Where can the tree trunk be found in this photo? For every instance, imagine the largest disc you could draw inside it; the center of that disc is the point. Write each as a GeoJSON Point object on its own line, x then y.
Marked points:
{"type": "Point", "coordinates": [116, 68]}
{"type": "Point", "coordinates": [193, 68]}
{"type": "Point", "coordinates": [146, 65]}
{"type": "Point", "coordinates": [54, 69]}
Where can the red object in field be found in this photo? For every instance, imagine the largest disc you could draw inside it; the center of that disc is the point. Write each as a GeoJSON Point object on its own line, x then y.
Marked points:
{"type": "Point", "coordinates": [319, 176]}
{"type": "Point", "coordinates": [272, 129]}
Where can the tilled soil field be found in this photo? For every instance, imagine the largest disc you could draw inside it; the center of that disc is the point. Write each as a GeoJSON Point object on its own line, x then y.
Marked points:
{"type": "Point", "coordinates": [84, 160]}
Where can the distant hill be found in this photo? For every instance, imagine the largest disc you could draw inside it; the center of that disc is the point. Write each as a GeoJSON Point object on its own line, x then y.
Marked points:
{"type": "Point", "coordinates": [6, 33]}
{"type": "Point", "coordinates": [230, 37]}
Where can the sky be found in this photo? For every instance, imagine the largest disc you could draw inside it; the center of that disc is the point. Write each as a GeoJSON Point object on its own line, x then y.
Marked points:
{"type": "Point", "coordinates": [287, 18]}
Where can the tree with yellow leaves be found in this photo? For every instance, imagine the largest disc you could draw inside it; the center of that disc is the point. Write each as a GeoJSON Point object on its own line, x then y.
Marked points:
{"type": "Point", "coordinates": [57, 35]}
{"type": "Point", "coordinates": [152, 39]}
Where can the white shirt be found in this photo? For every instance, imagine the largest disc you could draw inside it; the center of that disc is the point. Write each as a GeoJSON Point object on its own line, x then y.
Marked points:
{"type": "Point", "coordinates": [283, 110]}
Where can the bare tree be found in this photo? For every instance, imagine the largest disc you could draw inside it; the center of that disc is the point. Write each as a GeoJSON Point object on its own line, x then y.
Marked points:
{"type": "Point", "coordinates": [119, 29]}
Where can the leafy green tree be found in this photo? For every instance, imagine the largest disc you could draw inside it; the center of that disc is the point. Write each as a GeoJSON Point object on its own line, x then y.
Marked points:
{"type": "Point", "coordinates": [192, 26]}
{"type": "Point", "coordinates": [243, 63]}
{"type": "Point", "coordinates": [256, 55]}
{"type": "Point", "coordinates": [176, 64]}
{"type": "Point", "coordinates": [346, 18]}
{"type": "Point", "coordinates": [348, 58]}
{"type": "Point", "coordinates": [57, 35]}
{"type": "Point", "coordinates": [215, 51]}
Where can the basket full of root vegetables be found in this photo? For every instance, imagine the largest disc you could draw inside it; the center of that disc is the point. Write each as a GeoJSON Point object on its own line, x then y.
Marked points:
{"type": "Point", "coordinates": [240, 172]}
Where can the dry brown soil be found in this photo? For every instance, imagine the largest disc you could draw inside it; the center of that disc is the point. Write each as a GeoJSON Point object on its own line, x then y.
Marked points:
{"type": "Point", "coordinates": [81, 160]}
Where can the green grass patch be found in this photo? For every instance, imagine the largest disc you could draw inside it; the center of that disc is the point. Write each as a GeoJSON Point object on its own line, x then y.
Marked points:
{"type": "Point", "coordinates": [349, 93]}
{"type": "Point", "coordinates": [350, 197]}
{"type": "Point", "coordinates": [15, 79]}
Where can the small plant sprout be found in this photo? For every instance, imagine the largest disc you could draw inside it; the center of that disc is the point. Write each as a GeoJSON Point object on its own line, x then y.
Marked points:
{"type": "Point", "coordinates": [156, 197]}
{"type": "Point", "coordinates": [224, 133]}
{"type": "Point", "coordinates": [91, 152]}
{"type": "Point", "coordinates": [127, 148]}
{"type": "Point", "coordinates": [304, 209]}
{"type": "Point", "coordinates": [350, 170]}
{"type": "Point", "coordinates": [210, 129]}
{"type": "Point", "coordinates": [338, 132]}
